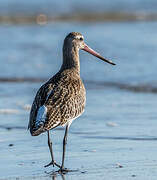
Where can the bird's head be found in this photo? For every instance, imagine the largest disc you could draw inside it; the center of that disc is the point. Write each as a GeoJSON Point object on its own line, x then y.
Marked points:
{"type": "Point", "coordinates": [76, 39]}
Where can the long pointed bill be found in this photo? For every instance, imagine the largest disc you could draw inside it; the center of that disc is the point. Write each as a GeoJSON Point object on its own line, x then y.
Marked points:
{"type": "Point", "coordinates": [94, 53]}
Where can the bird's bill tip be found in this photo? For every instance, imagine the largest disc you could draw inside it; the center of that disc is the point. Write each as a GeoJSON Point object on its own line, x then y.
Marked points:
{"type": "Point", "coordinates": [94, 53]}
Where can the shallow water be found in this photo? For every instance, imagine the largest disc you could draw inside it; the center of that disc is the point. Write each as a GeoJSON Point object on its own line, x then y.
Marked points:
{"type": "Point", "coordinates": [116, 136]}
{"type": "Point", "coordinates": [38, 51]}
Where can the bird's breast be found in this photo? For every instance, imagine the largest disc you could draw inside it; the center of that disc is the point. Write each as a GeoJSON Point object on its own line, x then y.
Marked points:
{"type": "Point", "coordinates": [74, 101]}
{"type": "Point", "coordinates": [66, 102]}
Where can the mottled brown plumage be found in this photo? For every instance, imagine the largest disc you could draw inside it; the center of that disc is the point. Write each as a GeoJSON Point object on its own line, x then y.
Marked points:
{"type": "Point", "coordinates": [64, 94]}
{"type": "Point", "coordinates": [62, 98]}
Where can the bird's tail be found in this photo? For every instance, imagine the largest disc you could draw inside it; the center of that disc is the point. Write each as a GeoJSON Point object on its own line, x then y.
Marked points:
{"type": "Point", "coordinates": [38, 125]}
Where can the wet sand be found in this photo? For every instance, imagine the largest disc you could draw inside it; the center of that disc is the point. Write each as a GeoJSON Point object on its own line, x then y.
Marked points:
{"type": "Point", "coordinates": [85, 17]}
{"type": "Point", "coordinates": [115, 141]}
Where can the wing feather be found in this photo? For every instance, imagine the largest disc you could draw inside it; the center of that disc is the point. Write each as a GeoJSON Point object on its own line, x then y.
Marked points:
{"type": "Point", "coordinates": [59, 100]}
{"type": "Point", "coordinates": [38, 108]}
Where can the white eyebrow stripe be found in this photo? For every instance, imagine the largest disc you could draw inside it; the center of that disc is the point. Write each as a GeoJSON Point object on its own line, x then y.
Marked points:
{"type": "Point", "coordinates": [78, 37]}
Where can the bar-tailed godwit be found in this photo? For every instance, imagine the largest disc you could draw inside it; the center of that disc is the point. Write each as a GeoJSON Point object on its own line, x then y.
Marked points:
{"type": "Point", "coordinates": [62, 98]}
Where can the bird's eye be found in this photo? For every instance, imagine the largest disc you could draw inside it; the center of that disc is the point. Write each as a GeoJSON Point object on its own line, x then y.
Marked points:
{"type": "Point", "coordinates": [81, 39]}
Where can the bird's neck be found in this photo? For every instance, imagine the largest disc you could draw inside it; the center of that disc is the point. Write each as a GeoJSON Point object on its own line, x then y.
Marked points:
{"type": "Point", "coordinates": [71, 58]}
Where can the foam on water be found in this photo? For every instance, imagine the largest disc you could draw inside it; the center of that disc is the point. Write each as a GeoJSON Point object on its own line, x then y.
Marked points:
{"type": "Point", "coordinates": [9, 111]}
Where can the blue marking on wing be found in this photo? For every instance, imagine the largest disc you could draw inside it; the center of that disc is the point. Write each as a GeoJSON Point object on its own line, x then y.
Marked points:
{"type": "Point", "coordinates": [41, 116]}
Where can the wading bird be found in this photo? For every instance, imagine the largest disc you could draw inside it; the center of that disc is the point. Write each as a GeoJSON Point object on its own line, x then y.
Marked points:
{"type": "Point", "coordinates": [62, 98]}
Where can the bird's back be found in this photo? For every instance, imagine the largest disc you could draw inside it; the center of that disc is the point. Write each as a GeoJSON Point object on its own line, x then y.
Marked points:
{"type": "Point", "coordinates": [57, 102]}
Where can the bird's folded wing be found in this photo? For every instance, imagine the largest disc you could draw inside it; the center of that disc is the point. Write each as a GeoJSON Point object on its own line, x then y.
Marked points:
{"type": "Point", "coordinates": [37, 109]}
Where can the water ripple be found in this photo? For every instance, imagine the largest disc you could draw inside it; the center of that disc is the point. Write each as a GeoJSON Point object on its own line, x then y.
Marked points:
{"type": "Point", "coordinates": [122, 138]}
{"type": "Point", "coordinates": [143, 88]}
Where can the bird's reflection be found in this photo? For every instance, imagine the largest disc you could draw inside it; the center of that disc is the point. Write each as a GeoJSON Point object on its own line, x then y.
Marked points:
{"type": "Point", "coordinates": [63, 176]}
{"type": "Point", "coordinates": [54, 176]}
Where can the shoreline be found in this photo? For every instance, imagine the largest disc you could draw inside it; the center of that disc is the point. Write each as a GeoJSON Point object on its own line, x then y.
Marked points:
{"type": "Point", "coordinates": [43, 19]}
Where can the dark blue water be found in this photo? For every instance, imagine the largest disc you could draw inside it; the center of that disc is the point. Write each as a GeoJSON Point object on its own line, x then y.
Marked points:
{"type": "Point", "coordinates": [56, 7]}
{"type": "Point", "coordinates": [36, 51]}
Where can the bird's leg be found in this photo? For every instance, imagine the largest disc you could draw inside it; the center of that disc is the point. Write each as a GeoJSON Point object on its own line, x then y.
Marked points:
{"type": "Point", "coordinates": [62, 169]}
{"type": "Point", "coordinates": [51, 152]}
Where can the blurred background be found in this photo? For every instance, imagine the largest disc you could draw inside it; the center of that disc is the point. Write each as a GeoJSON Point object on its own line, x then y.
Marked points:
{"type": "Point", "coordinates": [123, 128]}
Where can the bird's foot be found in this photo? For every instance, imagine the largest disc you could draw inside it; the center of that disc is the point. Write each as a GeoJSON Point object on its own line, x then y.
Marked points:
{"type": "Point", "coordinates": [65, 170]}
{"type": "Point", "coordinates": [53, 163]}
